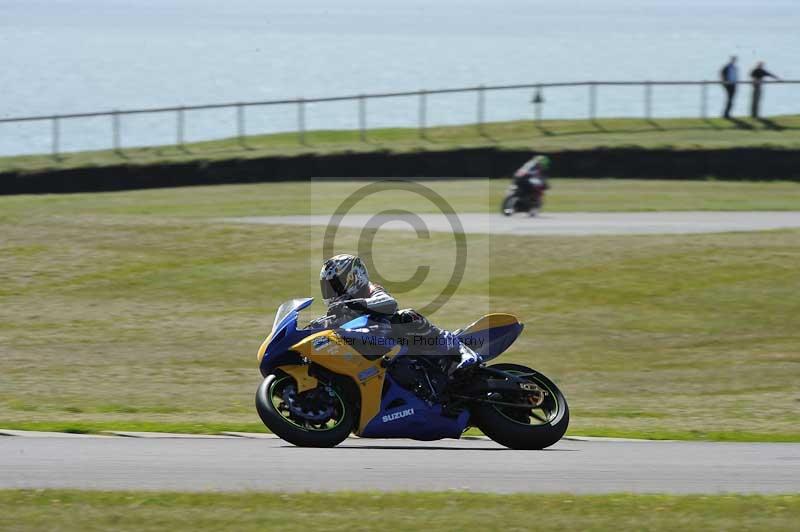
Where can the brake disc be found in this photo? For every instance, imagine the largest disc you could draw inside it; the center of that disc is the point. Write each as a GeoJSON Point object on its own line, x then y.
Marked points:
{"type": "Point", "coordinates": [314, 407]}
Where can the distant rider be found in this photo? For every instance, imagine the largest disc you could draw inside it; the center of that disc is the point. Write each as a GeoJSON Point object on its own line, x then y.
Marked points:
{"type": "Point", "coordinates": [348, 292]}
{"type": "Point", "coordinates": [531, 181]}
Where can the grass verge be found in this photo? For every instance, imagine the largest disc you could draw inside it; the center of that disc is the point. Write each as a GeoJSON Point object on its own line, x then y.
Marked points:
{"type": "Point", "coordinates": [584, 195]}
{"type": "Point", "coordinates": [79, 510]}
{"type": "Point", "coordinates": [549, 135]}
{"type": "Point", "coordinates": [139, 311]}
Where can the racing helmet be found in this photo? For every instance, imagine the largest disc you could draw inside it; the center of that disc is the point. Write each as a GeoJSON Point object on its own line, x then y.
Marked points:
{"type": "Point", "coordinates": [542, 161]}
{"type": "Point", "coordinates": [342, 277]}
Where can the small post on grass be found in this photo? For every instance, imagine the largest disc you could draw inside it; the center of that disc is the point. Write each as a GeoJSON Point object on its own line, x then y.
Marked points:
{"type": "Point", "coordinates": [115, 130]}
{"type": "Point", "coordinates": [648, 100]}
{"type": "Point", "coordinates": [537, 100]}
{"type": "Point", "coordinates": [481, 110]}
{"type": "Point", "coordinates": [704, 100]}
{"type": "Point", "coordinates": [592, 101]}
{"type": "Point", "coordinates": [179, 127]}
{"type": "Point", "coordinates": [56, 133]}
{"type": "Point", "coordinates": [301, 120]}
{"type": "Point", "coordinates": [240, 124]}
{"type": "Point", "coordinates": [362, 118]}
{"type": "Point", "coordinates": [423, 113]}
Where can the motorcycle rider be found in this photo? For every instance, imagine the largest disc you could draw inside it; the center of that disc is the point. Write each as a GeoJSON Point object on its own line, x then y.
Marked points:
{"type": "Point", "coordinates": [348, 292]}
{"type": "Point", "coordinates": [534, 169]}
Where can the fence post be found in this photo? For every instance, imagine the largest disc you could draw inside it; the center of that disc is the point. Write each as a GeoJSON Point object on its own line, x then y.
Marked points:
{"type": "Point", "coordinates": [301, 120]}
{"type": "Point", "coordinates": [179, 127]}
{"type": "Point", "coordinates": [362, 118]}
{"type": "Point", "coordinates": [592, 101]}
{"type": "Point", "coordinates": [423, 112]}
{"type": "Point", "coordinates": [481, 108]}
{"type": "Point", "coordinates": [704, 100]}
{"type": "Point", "coordinates": [648, 100]}
{"type": "Point", "coordinates": [538, 100]}
{"type": "Point", "coordinates": [115, 134]}
{"type": "Point", "coordinates": [240, 125]}
{"type": "Point", "coordinates": [56, 131]}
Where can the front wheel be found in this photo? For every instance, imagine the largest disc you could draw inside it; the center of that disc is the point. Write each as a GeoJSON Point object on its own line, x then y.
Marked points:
{"type": "Point", "coordinates": [314, 418]}
{"type": "Point", "coordinates": [509, 205]}
{"type": "Point", "coordinates": [537, 426]}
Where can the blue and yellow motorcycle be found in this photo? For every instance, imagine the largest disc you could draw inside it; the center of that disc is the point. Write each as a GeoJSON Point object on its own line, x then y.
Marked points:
{"type": "Point", "coordinates": [322, 384]}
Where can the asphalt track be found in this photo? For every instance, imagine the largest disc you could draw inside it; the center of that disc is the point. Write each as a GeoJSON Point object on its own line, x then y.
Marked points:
{"type": "Point", "coordinates": [269, 464]}
{"type": "Point", "coordinates": [556, 223]}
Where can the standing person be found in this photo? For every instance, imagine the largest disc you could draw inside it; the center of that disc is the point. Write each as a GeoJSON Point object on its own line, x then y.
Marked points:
{"type": "Point", "coordinates": [757, 75]}
{"type": "Point", "coordinates": [730, 76]}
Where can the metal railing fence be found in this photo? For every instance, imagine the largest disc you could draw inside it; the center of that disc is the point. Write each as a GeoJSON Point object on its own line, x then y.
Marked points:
{"type": "Point", "coordinates": [361, 110]}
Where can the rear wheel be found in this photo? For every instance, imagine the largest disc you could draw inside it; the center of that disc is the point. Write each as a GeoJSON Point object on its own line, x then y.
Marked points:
{"type": "Point", "coordinates": [319, 417]}
{"type": "Point", "coordinates": [537, 426]}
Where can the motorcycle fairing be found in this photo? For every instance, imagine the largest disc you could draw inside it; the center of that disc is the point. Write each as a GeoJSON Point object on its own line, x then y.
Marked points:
{"type": "Point", "coordinates": [382, 400]}
{"type": "Point", "coordinates": [331, 351]}
{"type": "Point", "coordinates": [387, 409]}
{"type": "Point", "coordinates": [491, 335]}
{"type": "Point", "coordinates": [299, 372]}
{"type": "Point", "coordinates": [404, 415]}
{"type": "Point", "coordinates": [356, 323]}
{"type": "Point", "coordinates": [276, 349]}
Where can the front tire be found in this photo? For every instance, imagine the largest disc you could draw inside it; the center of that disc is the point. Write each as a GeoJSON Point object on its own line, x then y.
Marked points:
{"type": "Point", "coordinates": [509, 205]}
{"type": "Point", "coordinates": [520, 428]}
{"type": "Point", "coordinates": [302, 422]}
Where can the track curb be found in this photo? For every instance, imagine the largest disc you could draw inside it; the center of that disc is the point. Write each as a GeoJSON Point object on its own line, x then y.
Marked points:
{"type": "Point", "coordinates": [234, 435]}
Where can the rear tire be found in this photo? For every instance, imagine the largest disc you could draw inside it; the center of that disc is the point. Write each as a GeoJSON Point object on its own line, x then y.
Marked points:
{"type": "Point", "coordinates": [495, 422]}
{"type": "Point", "coordinates": [289, 429]}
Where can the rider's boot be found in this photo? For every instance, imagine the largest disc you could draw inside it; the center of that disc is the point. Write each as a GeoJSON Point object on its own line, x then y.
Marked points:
{"type": "Point", "coordinates": [467, 358]}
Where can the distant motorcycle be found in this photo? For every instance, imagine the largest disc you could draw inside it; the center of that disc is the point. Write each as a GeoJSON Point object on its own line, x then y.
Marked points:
{"type": "Point", "coordinates": [526, 193]}
{"type": "Point", "coordinates": [321, 384]}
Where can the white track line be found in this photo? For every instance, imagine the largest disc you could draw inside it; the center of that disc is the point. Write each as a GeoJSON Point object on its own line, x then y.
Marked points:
{"type": "Point", "coordinates": [249, 435]}
{"type": "Point", "coordinates": [43, 434]}
{"type": "Point", "coordinates": [128, 434]}
{"type": "Point", "coordinates": [602, 438]}
{"type": "Point", "coordinates": [252, 435]}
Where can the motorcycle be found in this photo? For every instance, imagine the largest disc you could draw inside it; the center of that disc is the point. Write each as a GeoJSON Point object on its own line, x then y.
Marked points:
{"type": "Point", "coordinates": [526, 193]}
{"type": "Point", "coordinates": [322, 384]}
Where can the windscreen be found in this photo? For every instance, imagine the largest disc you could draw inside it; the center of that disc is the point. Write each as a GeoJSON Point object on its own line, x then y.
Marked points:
{"type": "Point", "coordinates": [286, 308]}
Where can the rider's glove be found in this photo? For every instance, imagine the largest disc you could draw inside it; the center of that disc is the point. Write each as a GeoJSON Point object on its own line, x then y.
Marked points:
{"type": "Point", "coordinates": [345, 307]}
{"type": "Point", "coordinates": [359, 305]}
{"type": "Point", "coordinates": [348, 307]}
{"type": "Point", "coordinates": [337, 309]}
